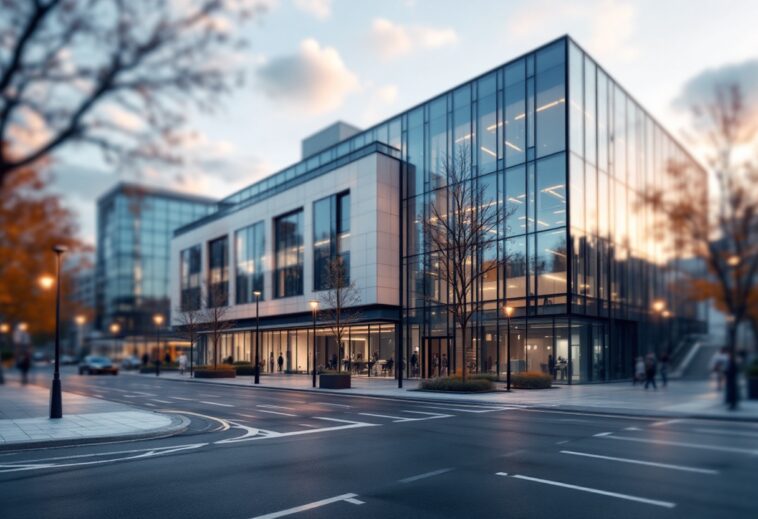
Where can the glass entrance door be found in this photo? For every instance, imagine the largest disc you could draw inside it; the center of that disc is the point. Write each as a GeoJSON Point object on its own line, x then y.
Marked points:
{"type": "Point", "coordinates": [435, 358]}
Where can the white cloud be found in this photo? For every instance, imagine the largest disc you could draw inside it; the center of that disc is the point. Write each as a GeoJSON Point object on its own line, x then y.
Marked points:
{"type": "Point", "coordinates": [701, 89]}
{"type": "Point", "coordinates": [391, 40]}
{"type": "Point", "coordinates": [319, 9]}
{"type": "Point", "coordinates": [379, 101]}
{"type": "Point", "coordinates": [315, 79]}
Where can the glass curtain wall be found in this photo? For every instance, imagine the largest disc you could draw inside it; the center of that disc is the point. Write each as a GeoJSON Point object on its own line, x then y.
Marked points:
{"type": "Point", "coordinates": [218, 272]}
{"type": "Point", "coordinates": [191, 267]}
{"type": "Point", "coordinates": [288, 254]}
{"type": "Point", "coordinates": [331, 235]}
{"type": "Point", "coordinates": [249, 250]}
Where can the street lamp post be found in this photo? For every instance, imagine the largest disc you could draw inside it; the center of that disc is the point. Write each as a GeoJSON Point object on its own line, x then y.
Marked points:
{"type": "Point", "coordinates": [115, 329]}
{"type": "Point", "coordinates": [508, 313]}
{"type": "Point", "coordinates": [314, 308]}
{"type": "Point", "coordinates": [158, 320]}
{"type": "Point", "coordinates": [659, 306]}
{"type": "Point", "coordinates": [257, 294]}
{"type": "Point", "coordinates": [5, 329]}
{"type": "Point", "coordinates": [56, 398]}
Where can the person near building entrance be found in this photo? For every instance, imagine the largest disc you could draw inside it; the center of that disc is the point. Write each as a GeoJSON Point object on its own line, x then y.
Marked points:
{"type": "Point", "coordinates": [271, 363]}
{"type": "Point", "coordinates": [280, 362]}
{"type": "Point", "coordinates": [145, 359]}
{"type": "Point", "coordinates": [650, 370]}
{"type": "Point", "coordinates": [414, 364]}
{"type": "Point", "coordinates": [182, 363]}
{"type": "Point", "coordinates": [639, 371]}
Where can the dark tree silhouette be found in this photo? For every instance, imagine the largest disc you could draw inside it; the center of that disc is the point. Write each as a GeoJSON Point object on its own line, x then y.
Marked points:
{"type": "Point", "coordinates": [339, 301]}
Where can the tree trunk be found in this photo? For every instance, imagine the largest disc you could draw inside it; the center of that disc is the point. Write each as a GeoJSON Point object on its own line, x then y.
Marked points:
{"type": "Point", "coordinates": [464, 350]}
{"type": "Point", "coordinates": [731, 394]}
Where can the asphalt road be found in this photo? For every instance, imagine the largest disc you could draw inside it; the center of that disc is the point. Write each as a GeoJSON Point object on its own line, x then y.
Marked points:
{"type": "Point", "coordinates": [252, 452]}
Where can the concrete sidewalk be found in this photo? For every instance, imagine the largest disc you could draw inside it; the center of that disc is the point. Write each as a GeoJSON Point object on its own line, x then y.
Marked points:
{"type": "Point", "coordinates": [24, 421]}
{"type": "Point", "coordinates": [682, 398]}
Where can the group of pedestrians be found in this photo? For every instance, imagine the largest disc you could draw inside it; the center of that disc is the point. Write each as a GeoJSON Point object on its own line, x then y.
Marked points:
{"type": "Point", "coordinates": [648, 367]}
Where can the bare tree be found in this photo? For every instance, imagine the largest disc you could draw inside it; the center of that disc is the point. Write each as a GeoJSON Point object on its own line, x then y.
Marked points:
{"type": "Point", "coordinates": [461, 230]}
{"type": "Point", "coordinates": [189, 323]}
{"type": "Point", "coordinates": [721, 231]}
{"type": "Point", "coordinates": [215, 310]}
{"type": "Point", "coordinates": [339, 300]}
{"type": "Point", "coordinates": [114, 74]}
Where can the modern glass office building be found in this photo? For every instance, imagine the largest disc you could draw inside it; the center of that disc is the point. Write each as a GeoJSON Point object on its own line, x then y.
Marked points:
{"type": "Point", "coordinates": [134, 228]}
{"type": "Point", "coordinates": [563, 151]}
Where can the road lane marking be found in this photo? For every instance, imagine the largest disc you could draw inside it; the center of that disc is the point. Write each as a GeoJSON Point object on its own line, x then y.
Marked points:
{"type": "Point", "coordinates": [348, 498]}
{"type": "Point", "coordinates": [149, 404]}
{"type": "Point", "coordinates": [728, 433]}
{"type": "Point", "coordinates": [161, 401]}
{"type": "Point", "coordinates": [275, 412]}
{"type": "Point", "coordinates": [640, 462]}
{"type": "Point", "coordinates": [247, 415]}
{"type": "Point", "coordinates": [340, 420]}
{"type": "Point", "coordinates": [474, 410]}
{"type": "Point", "coordinates": [225, 425]}
{"type": "Point", "coordinates": [655, 502]}
{"type": "Point", "coordinates": [665, 422]}
{"type": "Point", "coordinates": [308, 425]}
{"type": "Point", "coordinates": [335, 405]}
{"type": "Point", "coordinates": [425, 475]}
{"type": "Point", "coordinates": [685, 444]}
{"type": "Point", "coordinates": [182, 398]}
{"type": "Point", "coordinates": [632, 429]}
{"type": "Point", "coordinates": [435, 415]}
{"type": "Point", "coordinates": [215, 403]}
{"type": "Point", "coordinates": [598, 435]}
{"type": "Point", "coordinates": [270, 406]}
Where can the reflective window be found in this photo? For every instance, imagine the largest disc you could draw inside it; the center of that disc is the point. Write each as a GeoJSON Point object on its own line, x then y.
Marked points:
{"type": "Point", "coordinates": [515, 267]}
{"type": "Point", "coordinates": [288, 254]}
{"type": "Point", "coordinates": [515, 201]}
{"type": "Point", "coordinates": [550, 110]}
{"type": "Point", "coordinates": [190, 278]}
{"type": "Point", "coordinates": [576, 90]}
{"type": "Point", "coordinates": [602, 121]}
{"type": "Point", "coordinates": [487, 133]}
{"type": "Point", "coordinates": [551, 262]}
{"type": "Point", "coordinates": [249, 251]}
{"type": "Point", "coordinates": [514, 125]}
{"type": "Point", "coordinates": [218, 272]}
{"type": "Point", "coordinates": [590, 117]}
{"type": "Point", "coordinates": [551, 192]}
{"type": "Point", "coordinates": [331, 234]}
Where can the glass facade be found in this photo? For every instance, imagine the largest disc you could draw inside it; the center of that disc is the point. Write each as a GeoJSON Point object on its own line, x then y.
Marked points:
{"type": "Point", "coordinates": [191, 269]}
{"type": "Point", "coordinates": [288, 254]}
{"type": "Point", "coordinates": [331, 235]}
{"type": "Point", "coordinates": [566, 156]}
{"type": "Point", "coordinates": [135, 225]}
{"type": "Point", "coordinates": [218, 272]}
{"type": "Point", "coordinates": [249, 247]}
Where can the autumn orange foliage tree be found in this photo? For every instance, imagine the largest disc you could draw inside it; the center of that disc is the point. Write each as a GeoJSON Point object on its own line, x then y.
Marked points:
{"type": "Point", "coordinates": [721, 230]}
{"type": "Point", "coordinates": [32, 221]}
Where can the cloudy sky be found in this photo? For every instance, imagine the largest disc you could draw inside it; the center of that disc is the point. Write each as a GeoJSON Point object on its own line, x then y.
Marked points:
{"type": "Point", "coordinates": [312, 62]}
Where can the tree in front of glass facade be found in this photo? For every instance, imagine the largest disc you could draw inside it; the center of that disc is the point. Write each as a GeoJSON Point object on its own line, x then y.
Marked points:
{"type": "Point", "coordinates": [215, 311]}
{"type": "Point", "coordinates": [188, 324]}
{"type": "Point", "coordinates": [113, 75]}
{"type": "Point", "coordinates": [339, 300]}
{"type": "Point", "coordinates": [722, 231]}
{"type": "Point", "coordinates": [461, 230]}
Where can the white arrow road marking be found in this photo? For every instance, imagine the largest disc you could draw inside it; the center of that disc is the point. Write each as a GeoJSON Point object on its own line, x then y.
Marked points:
{"type": "Point", "coordinates": [348, 498]}
{"type": "Point", "coordinates": [264, 434]}
{"type": "Point", "coordinates": [225, 425]}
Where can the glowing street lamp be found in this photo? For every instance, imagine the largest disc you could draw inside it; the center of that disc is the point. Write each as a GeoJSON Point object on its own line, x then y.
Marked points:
{"type": "Point", "coordinates": [733, 261]}
{"type": "Point", "coordinates": [257, 294]}
{"type": "Point", "coordinates": [314, 307]}
{"type": "Point", "coordinates": [508, 310]}
{"type": "Point", "coordinates": [659, 305]}
{"type": "Point", "coordinates": [158, 320]}
{"type": "Point", "coordinates": [46, 282]}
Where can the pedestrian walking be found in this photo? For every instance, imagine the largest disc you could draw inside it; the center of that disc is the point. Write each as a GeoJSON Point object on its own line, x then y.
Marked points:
{"type": "Point", "coordinates": [145, 359]}
{"type": "Point", "coordinates": [664, 369]}
{"type": "Point", "coordinates": [182, 363]}
{"type": "Point", "coordinates": [639, 371]}
{"type": "Point", "coordinates": [414, 363]}
{"type": "Point", "coordinates": [24, 365]}
{"type": "Point", "coordinates": [719, 363]}
{"type": "Point", "coordinates": [280, 362]}
{"type": "Point", "coordinates": [271, 363]}
{"type": "Point", "coordinates": [650, 369]}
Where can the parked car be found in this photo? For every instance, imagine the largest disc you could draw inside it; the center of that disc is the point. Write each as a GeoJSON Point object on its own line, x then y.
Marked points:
{"type": "Point", "coordinates": [68, 359]}
{"type": "Point", "coordinates": [131, 362]}
{"type": "Point", "coordinates": [94, 365]}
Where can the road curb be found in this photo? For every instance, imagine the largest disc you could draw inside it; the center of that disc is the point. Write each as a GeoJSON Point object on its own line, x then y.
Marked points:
{"type": "Point", "coordinates": [541, 407]}
{"type": "Point", "coordinates": [178, 425]}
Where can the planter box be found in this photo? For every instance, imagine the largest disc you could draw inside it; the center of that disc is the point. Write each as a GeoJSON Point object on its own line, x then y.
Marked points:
{"type": "Point", "coordinates": [752, 388]}
{"type": "Point", "coordinates": [244, 370]}
{"type": "Point", "coordinates": [336, 381]}
{"type": "Point", "coordinates": [215, 373]}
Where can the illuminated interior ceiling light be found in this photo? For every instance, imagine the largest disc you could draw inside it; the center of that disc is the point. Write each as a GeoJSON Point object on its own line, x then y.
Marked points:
{"type": "Point", "coordinates": [515, 200]}
{"type": "Point", "coordinates": [543, 223]}
{"type": "Point", "coordinates": [488, 151]}
{"type": "Point", "coordinates": [519, 117]}
{"type": "Point", "coordinates": [550, 104]}
{"type": "Point", "coordinates": [493, 127]}
{"type": "Point", "coordinates": [464, 138]}
{"type": "Point", "coordinates": [513, 146]}
{"type": "Point", "coordinates": [554, 278]}
{"type": "Point", "coordinates": [559, 211]}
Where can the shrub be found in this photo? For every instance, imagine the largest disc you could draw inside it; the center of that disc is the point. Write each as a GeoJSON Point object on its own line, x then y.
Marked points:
{"type": "Point", "coordinates": [220, 372]}
{"type": "Point", "coordinates": [531, 380]}
{"type": "Point", "coordinates": [472, 385]}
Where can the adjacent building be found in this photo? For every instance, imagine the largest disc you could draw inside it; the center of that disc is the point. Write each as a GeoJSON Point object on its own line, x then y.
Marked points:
{"type": "Point", "coordinates": [135, 224]}
{"type": "Point", "coordinates": [553, 142]}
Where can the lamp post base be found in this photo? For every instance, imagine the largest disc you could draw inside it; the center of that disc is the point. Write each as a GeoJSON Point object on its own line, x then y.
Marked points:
{"type": "Point", "coordinates": [56, 400]}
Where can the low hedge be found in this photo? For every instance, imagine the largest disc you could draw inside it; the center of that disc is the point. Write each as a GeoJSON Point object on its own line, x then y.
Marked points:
{"type": "Point", "coordinates": [215, 373]}
{"type": "Point", "coordinates": [472, 384]}
{"type": "Point", "coordinates": [531, 380]}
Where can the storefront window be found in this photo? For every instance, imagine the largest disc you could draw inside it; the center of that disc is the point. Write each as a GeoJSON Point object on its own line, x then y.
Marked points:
{"type": "Point", "coordinates": [288, 275]}
{"type": "Point", "coordinates": [218, 272]}
{"type": "Point", "coordinates": [249, 250]}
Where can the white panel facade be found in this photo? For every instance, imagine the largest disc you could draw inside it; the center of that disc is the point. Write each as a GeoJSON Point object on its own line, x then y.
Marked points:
{"type": "Point", "coordinates": [373, 182]}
